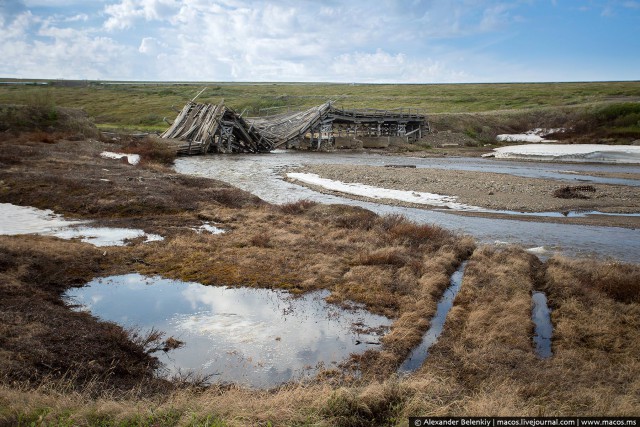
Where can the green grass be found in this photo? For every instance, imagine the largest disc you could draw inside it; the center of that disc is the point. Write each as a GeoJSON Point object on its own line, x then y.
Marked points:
{"type": "Point", "coordinates": [143, 106]}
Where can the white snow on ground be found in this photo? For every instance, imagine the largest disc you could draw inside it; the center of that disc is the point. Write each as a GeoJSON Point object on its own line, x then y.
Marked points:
{"type": "Point", "coordinates": [596, 153]}
{"type": "Point", "coordinates": [133, 159]}
{"type": "Point", "coordinates": [383, 193]}
{"type": "Point", "coordinates": [535, 135]}
{"type": "Point", "coordinates": [28, 220]}
{"type": "Point", "coordinates": [209, 229]}
{"type": "Point", "coordinates": [105, 236]}
{"type": "Point", "coordinates": [538, 250]}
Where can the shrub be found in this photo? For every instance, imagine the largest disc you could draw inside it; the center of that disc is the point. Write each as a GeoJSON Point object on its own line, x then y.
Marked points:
{"type": "Point", "coordinates": [573, 192]}
{"type": "Point", "coordinates": [407, 232]}
{"type": "Point", "coordinates": [296, 208]}
{"type": "Point", "coordinates": [384, 256]}
{"type": "Point", "coordinates": [261, 240]}
{"type": "Point", "coordinates": [620, 281]}
{"type": "Point", "coordinates": [150, 150]}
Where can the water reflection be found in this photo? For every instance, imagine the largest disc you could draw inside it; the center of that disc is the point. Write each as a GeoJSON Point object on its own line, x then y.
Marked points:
{"type": "Point", "coordinates": [541, 315]}
{"type": "Point", "coordinates": [255, 337]}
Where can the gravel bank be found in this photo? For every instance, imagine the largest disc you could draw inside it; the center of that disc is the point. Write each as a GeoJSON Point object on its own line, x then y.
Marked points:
{"type": "Point", "coordinates": [495, 191]}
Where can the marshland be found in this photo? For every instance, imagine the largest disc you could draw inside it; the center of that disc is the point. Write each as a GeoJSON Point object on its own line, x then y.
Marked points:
{"type": "Point", "coordinates": [379, 266]}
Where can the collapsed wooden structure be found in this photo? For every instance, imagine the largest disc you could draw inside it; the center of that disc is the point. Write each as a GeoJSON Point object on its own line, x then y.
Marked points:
{"type": "Point", "coordinates": [205, 128]}
{"type": "Point", "coordinates": [215, 128]}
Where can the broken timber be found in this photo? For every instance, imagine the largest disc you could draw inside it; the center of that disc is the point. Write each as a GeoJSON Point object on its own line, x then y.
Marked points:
{"type": "Point", "coordinates": [206, 128]}
{"type": "Point", "coordinates": [215, 128]}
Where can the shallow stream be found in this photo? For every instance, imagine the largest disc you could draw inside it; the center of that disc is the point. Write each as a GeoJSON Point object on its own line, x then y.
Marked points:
{"type": "Point", "coordinates": [419, 354]}
{"type": "Point", "coordinates": [261, 175]}
{"type": "Point", "coordinates": [541, 316]}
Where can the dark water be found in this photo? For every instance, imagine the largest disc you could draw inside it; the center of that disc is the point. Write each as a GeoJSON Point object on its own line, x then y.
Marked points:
{"type": "Point", "coordinates": [541, 316]}
{"type": "Point", "coordinates": [419, 354]}
{"type": "Point", "coordinates": [256, 337]}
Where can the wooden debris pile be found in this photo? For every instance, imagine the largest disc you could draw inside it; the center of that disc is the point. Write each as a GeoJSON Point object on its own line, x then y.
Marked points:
{"type": "Point", "coordinates": [287, 127]}
{"type": "Point", "coordinates": [208, 128]}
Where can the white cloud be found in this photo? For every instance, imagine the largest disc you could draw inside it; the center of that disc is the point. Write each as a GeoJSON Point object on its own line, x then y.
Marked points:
{"type": "Point", "coordinates": [75, 18]}
{"type": "Point", "coordinates": [279, 40]}
{"type": "Point", "coordinates": [57, 51]}
{"type": "Point", "coordinates": [151, 46]}
{"type": "Point", "coordinates": [123, 15]}
{"type": "Point", "coordinates": [54, 3]}
{"type": "Point", "coordinates": [359, 66]}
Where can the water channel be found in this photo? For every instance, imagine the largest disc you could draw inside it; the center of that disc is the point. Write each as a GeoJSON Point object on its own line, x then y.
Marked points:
{"type": "Point", "coordinates": [419, 354]}
{"type": "Point", "coordinates": [541, 316]}
{"type": "Point", "coordinates": [261, 175]}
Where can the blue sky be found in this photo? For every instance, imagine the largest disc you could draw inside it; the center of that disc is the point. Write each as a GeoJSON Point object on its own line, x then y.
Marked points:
{"type": "Point", "coordinates": [412, 41]}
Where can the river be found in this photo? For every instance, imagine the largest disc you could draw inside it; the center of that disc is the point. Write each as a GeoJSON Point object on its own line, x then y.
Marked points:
{"type": "Point", "coordinates": [261, 175]}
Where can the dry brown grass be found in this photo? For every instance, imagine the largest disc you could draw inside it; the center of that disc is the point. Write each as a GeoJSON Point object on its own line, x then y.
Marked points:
{"type": "Point", "coordinates": [619, 281]}
{"type": "Point", "coordinates": [489, 328]}
{"type": "Point", "coordinates": [71, 178]}
{"type": "Point", "coordinates": [483, 364]}
{"type": "Point", "coordinates": [295, 208]}
{"type": "Point", "coordinates": [486, 350]}
{"type": "Point", "coordinates": [41, 337]}
{"type": "Point", "coordinates": [597, 337]}
{"type": "Point", "coordinates": [151, 150]}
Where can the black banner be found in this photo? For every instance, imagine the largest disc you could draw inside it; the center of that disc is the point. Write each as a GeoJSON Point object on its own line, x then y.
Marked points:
{"type": "Point", "coordinates": [525, 421]}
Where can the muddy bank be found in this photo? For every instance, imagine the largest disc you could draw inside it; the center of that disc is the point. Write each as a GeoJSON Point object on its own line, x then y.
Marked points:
{"type": "Point", "coordinates": [496, 191]}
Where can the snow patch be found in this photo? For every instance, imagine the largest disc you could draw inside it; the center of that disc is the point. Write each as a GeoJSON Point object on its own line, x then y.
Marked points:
{"type": "Point", "coordinates": [370, 191]}
{"type": "Point", "coordinates": [133, 159]}
{"type": "Point", "coordinates": [535, 135]}
{"type": "Point", "coordinates": [209, 229]}
{"type": "Point", "coordinates": [597, 153]}
{"type": "Point", "coordinates": [537, 250]}
{"type": "Point", "coordinates": [29, 220]}
{"type": "Point", "coordinates": [105, 236]}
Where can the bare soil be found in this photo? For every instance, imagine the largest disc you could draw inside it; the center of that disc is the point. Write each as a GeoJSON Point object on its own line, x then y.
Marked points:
{"type": "Point", "coordinates": [497, 191]}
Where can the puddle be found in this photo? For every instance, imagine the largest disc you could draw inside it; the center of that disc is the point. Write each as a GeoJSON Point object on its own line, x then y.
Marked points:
{"type": "Point", "coordinates": [256, 337]}
{"type": "Point", "coordinates": [541, 316]}
{"type": "Point", "coordinates": [28, 220]}
{"type": "Point", "coordinates": [419, 354]}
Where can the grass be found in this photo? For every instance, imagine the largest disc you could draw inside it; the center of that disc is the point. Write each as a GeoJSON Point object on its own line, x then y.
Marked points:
{"type": "Point", "coordinates": [143, 106]}
{"type": "Point", "coordinates": [61, 367]}
{"type": "Point", "coordinates": [483, 364]}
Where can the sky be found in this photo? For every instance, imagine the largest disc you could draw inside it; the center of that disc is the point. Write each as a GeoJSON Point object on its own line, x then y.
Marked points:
{"type": "Point", "coordinates": [351, 41]}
